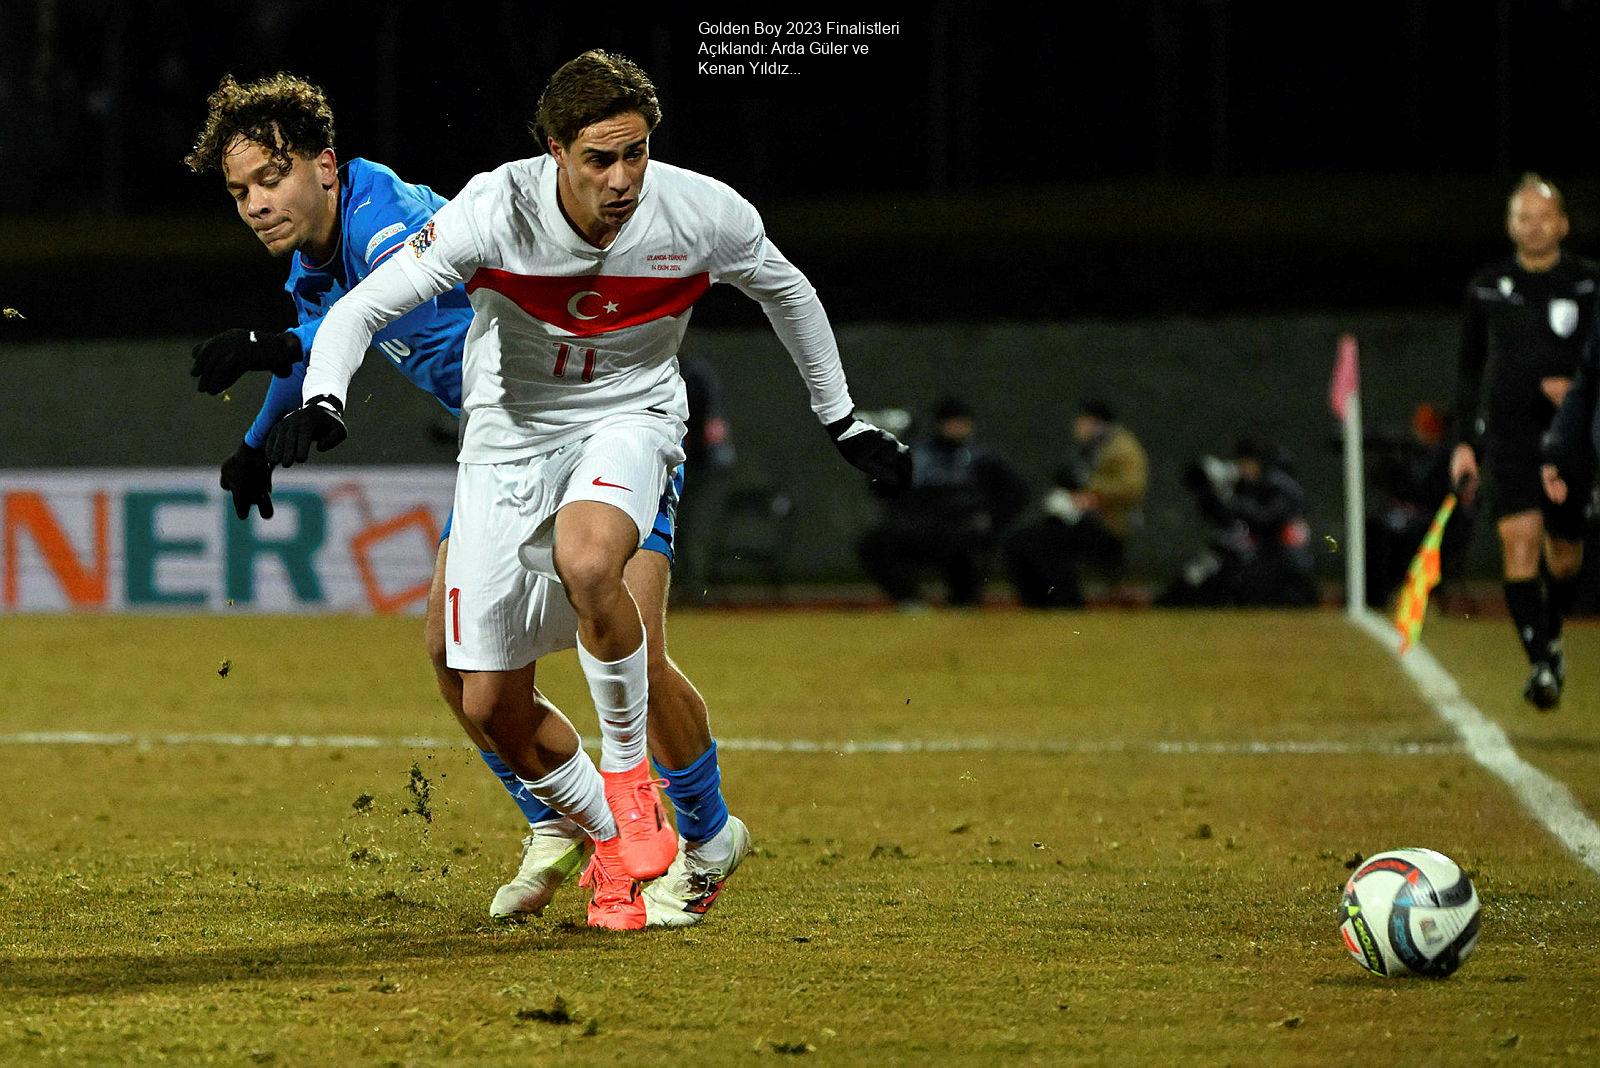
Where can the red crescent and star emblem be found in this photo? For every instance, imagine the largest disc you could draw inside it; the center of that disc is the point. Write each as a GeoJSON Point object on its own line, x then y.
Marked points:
{"type": "Point", "coordinates": [584, 305]}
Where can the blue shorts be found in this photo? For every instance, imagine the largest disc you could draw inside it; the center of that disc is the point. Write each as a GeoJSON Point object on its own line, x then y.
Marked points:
{"type": "Point", "coordinates": [660, 539]}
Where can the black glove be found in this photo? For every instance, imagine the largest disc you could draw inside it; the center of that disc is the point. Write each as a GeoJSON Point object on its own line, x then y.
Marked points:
{"type": "Point", "coordinates": [219, 362]}
{"type": "Point", "coordinates": [874, 450]}
{"type": "Point", "coordinates": [248, 476]}
{"type": "Point", "coordinates": [321, 420]}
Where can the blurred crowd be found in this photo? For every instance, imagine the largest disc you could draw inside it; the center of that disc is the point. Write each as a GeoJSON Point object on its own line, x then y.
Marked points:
{"type": "Point", "coordinates": [972, 526]}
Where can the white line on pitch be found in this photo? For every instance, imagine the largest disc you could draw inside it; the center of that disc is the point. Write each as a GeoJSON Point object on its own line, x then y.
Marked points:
{"type": "Point", "coordinates": [764, 745]}
{"type": "Point", "coordinates": [1548, 800]}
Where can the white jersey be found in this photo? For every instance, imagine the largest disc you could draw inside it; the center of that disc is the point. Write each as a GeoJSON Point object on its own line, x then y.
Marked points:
{"type": "Point", "coordinates": [567, 336]}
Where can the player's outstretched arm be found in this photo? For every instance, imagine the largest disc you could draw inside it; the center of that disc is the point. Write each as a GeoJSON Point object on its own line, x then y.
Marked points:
{"type": "Point", "coordinates": [222, 360]}
{"type": "Point", "coordinates": [402, 282]}
{"type": "Point", "coordinates": [1471, 358]}
{"type": "Point", "coordinates": [798, 318]}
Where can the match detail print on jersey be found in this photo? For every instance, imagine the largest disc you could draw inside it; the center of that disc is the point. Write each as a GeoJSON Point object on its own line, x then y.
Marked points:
{"type": "Point", "coordinates": [584, 305]}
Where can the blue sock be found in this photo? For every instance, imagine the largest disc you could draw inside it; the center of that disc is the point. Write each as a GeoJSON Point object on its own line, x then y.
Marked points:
{"type": "Point", "coordinates": [696, 793]}
{"type": "Point", "coordinates": [535, 810]}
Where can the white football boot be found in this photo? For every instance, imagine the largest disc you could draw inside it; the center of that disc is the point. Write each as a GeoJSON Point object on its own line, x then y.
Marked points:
{"type": "Point", "coordinates": [554, 852]}
{"type": "Point", "coordinates": [690, 887]}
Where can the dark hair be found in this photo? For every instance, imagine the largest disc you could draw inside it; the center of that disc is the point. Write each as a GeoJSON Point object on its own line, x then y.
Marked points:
{"type": "Point", "coordinates": [1097, 409]}
{"type": "Point", "coordinates": [594, 87]}
{"type": "Point", "coordinates": [283, 114]}
{"type": "Point", "coordinates": [951, 407]}
{"type": "Point", "coordinates": [1256, 449]}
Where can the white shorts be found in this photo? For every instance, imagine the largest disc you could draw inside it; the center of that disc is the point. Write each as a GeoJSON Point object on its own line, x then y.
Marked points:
{"type": "Point", "coordinates": [504, 605]}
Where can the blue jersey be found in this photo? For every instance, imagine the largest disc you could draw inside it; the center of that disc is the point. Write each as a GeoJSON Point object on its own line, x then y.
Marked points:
{"type": "Point", "coordinates": [377, 213]}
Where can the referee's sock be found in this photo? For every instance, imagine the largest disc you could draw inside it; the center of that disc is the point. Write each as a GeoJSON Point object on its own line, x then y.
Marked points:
{"type": "Point", "coordinates": [1560, 594]}
{"type": "Point", "coordinates": [533, 810]}
{"type": "Point", "coordinates": [1529, 614]}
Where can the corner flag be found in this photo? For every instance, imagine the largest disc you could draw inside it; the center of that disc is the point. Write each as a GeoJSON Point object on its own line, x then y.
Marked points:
{"type": "Point", "coordinates": [1421, 577]}
{"type": "Point", "coordinates": [1344, 397]}
{"type": "Point", "coordinates": [1346, 376]}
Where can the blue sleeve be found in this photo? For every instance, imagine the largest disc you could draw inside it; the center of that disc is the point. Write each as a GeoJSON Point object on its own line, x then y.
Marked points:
{"type": "Point", "coordinates": [307, 333]}
{"type": "Point", "coordinates": [283, 394]}
{"type": "Point", "coordinates": [283, 397]}
{"type": "Point", "coordinates": [426, 343]}
{"type": "Point", "coordinates": [387, 212]}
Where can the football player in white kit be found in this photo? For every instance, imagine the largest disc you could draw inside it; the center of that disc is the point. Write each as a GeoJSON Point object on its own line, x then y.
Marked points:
{"type": "Point", "coordinates": [582, 266]}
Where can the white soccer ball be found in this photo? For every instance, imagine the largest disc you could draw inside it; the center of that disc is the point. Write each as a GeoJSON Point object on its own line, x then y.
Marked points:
{"type": "Point", "coordinates": [1409, 912]}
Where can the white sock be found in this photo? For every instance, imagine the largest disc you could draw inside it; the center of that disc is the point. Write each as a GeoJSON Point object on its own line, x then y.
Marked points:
{"type": "Point", "coordinates": [714, 851]}
{"type": "Point", "coordinates": [621, 692]}
{"type": "Point", "coordinates": [576, 790]}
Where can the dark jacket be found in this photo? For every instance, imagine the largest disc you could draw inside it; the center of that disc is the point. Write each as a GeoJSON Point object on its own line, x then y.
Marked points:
{"type": "Point", "coordinates": [1573, 441]}
{"type": "Point", "coordinates": [963, 489]}
{"type": "Point", "coordinates": [1519, 327]}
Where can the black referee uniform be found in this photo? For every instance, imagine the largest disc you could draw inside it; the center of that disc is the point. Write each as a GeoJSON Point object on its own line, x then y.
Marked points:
{"type": "Point", "coordinates": [1518, 328]}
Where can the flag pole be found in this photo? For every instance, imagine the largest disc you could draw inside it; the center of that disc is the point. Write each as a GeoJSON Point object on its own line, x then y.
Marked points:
{"type": "Point", "coordinates": [1355, 512]}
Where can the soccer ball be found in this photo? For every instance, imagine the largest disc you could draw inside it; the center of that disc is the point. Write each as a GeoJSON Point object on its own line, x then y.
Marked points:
{"type": "Point", "coordinates": [1409, 912]}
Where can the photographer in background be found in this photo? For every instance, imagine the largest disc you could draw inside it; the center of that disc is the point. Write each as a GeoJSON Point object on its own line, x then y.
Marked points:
{"type": "Point", "coordinates": [1258, 551]}
{"type": "Point", "coordinates": [1085, 518]}
{"type": "Point", "coordinates": [1411, 476]}
{"type": "Point", "coordinates": [962, 496]}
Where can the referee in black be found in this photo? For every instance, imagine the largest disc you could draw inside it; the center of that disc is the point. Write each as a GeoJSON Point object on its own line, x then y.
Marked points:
{"type": "Point", "coordinates": [1523, 329]}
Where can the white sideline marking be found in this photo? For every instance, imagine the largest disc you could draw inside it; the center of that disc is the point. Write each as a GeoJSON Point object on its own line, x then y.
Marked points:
{"type": "Point", "coordinates": [1548, 800]}
{"type": "Point", "coordinates": [759, 745]}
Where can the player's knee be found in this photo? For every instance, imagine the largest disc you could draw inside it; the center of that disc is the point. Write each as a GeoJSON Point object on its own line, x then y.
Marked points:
{"type": "Point", "coordinates": [589, 573]}
{"type": "Point", "coordinates": [1565, 565]}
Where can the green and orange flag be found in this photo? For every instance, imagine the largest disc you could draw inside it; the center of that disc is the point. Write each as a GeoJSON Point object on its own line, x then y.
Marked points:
{"type": "Point", "coordinates": [1421, 578]}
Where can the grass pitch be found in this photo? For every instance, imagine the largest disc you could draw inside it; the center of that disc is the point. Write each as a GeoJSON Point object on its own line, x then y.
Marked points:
{"type": "Point", "coordinates": [1117, 880]}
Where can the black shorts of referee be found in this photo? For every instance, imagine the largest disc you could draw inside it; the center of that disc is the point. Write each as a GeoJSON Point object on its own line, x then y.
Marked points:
{"type": "Point", "coordinates": [1514, 486]}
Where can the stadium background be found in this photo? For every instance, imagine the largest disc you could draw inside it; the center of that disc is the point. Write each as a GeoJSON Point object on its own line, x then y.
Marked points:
{"type": "Point", "coordinates": [1058, 838]}
{"type": "Point", "coordinates": [1175, 205]}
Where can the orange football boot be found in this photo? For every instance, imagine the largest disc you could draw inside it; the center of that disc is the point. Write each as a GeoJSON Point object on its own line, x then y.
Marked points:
{"type": "Point", "coordinates": [616, 903]}
{"type": "Point", "coordinates": [648, 842]}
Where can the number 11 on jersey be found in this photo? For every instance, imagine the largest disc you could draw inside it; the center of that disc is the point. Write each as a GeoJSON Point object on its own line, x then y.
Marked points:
{"type": "Point", "coordinates": [563, 351]}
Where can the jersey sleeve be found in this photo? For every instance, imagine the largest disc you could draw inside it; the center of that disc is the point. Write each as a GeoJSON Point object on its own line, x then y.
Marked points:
{"type": "Point", "coordinates": [1470, 362]}
{"type": "Point", "coordinates": [385, 222]}
{"type": "Point", "coordinates": [1567, 443]}
{"type": "Point", "coordinates": [746, 259]}
{"type": "Point", "coordinates": [442, 253]}
{"type": "Point", "coordinates": [283, 394]}
{"type": "Point", "coordinates": [283, 397]}
{"type": "Point", "coordinates": [307, 333]}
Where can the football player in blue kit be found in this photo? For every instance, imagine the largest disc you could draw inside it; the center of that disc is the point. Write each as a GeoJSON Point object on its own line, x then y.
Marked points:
{"type": "Point", "coordinates": [272, 141]}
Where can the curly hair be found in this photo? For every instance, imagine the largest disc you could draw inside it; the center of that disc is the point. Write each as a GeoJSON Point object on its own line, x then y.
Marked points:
{"type": "Point", "coordinates": [590, 88]}
{"type": "Point", "coordinates": [283, 114]}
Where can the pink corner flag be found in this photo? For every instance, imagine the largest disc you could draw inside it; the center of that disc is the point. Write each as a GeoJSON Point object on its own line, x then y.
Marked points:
{"type": "Point", "coordinates": [1346, 376]}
